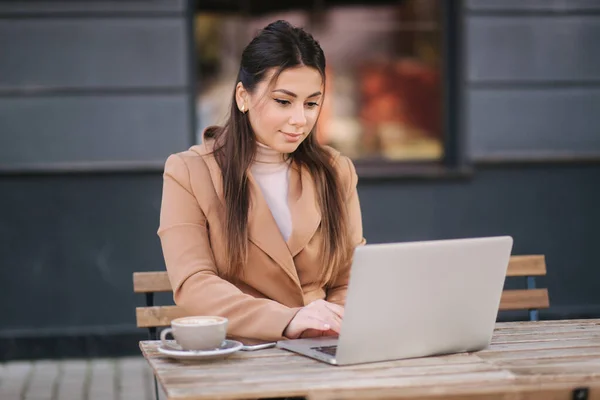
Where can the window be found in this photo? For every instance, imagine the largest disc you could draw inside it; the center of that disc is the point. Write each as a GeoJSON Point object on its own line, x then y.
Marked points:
{"type": "Point", "coordinates": [385, 73]}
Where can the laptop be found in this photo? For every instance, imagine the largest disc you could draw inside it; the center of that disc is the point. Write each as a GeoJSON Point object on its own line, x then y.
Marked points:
{"type": "Point", "coordinates": [416, 299]}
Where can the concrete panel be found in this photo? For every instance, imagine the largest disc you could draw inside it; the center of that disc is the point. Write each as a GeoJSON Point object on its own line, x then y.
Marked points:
{"type": "Point", "coordinates": [91, 7]}
{"type": "Point", "coordinates": [532, 5]}
{"type": "Point", "coordinates": [39, 54]}
{"type": "Point", "coordinates": [57, 131]}
{"type": "Point", "coordinates": [533, 122]}
{"type": "Point", "coordinates": [534, 48]}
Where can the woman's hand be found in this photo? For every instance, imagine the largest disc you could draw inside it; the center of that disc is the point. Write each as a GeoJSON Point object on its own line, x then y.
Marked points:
{"type": "Point", "coordinates": [319, 318]}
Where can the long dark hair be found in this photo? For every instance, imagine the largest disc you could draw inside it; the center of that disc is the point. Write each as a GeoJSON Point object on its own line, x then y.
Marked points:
{"type": "Point", "coordinates": [278, 46]}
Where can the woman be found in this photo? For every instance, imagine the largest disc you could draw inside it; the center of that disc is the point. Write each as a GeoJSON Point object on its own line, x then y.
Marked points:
{"type": "Point", "coordinates": [258, 224]}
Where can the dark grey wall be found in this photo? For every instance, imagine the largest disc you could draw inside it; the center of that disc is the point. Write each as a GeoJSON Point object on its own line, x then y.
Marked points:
{"type": "Point", "coordinates": [81, 86]}
{"type": "Point", "coordinates": [94, 95]}
{"type": "Point", "coordinates": [69, 242]}
{"type": "Point", "coordinates": [531, 93]}
{"type": "Point", "coordinates": [533, 79]}
{"type": "Point", "coordinates": [547, 210]}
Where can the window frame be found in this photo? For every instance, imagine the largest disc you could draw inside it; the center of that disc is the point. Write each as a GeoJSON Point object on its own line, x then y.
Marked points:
{"type": "Point", "coordinates": [454, 161]}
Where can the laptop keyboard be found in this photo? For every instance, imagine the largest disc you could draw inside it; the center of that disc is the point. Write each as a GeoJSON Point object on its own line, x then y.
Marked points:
{"type": "Point", "coordinates": [326, 349]}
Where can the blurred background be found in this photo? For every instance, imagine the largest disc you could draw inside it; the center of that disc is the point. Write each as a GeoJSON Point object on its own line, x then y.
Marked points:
{"type": "Point", "coordinates": [464, 118]}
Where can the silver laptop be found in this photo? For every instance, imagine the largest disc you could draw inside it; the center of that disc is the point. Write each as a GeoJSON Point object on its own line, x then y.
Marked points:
{"type": "Point", "coordinates": [416, 299]}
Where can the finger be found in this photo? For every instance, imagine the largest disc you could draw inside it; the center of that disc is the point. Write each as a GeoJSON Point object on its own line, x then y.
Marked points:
{"type": "Point", "coordinates": [337, 309]}
{"type": "Point", "coordinates": [335, 326]}
{"type": "Point", "coordinates": [312, 333]}
{"type": "Point", "coordinates": [330, 333]}
{"type": "Point", "coordinates": [329, 317]}
{"type": "Point", "coordinates": [318, 323]}
{"type": "Point", "coordinates": [333, 321]}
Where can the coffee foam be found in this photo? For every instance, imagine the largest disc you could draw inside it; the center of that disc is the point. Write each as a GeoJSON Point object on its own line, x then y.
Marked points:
{"type": "Point", "coordinates": [198, 321]}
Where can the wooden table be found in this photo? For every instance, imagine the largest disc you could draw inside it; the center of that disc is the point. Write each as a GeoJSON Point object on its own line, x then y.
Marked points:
{"type": "Point", "coordinates": [526, 360]}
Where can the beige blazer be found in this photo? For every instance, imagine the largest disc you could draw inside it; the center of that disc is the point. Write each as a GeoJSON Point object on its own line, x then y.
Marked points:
{"type": "Point", "coordinates": [280, 277]}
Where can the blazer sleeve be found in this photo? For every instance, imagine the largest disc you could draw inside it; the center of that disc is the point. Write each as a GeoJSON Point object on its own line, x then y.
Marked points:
{"type": "Point", "coordinates": [197, 288]}
{"type": "Point", "coordinates": [337, 291]}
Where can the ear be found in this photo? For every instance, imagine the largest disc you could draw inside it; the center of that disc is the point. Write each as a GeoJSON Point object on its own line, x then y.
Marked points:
{"type": "Point", "coordinates": [241, 97]}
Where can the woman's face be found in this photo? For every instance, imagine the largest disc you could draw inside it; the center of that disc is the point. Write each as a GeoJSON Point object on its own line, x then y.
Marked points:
{"type": "Point", "coordinates": [282, 115]}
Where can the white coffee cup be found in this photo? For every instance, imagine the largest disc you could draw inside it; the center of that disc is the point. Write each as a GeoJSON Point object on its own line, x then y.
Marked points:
{"type": "Point", "coordinates": [197, 333]}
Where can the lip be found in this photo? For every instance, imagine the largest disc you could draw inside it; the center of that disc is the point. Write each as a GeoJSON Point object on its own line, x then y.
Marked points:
{"type": "Point", "coordinates": [292, 137]}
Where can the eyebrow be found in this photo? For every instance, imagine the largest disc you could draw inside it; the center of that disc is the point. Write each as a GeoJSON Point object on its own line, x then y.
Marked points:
{"type": "Point", "coordinates": [291, 94]}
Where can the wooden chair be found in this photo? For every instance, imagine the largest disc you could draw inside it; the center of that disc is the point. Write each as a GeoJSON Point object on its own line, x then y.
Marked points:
{"type": "Point", "coordinates": [532, 298]}
{"type": "Point", "coordinates": [528, 267]}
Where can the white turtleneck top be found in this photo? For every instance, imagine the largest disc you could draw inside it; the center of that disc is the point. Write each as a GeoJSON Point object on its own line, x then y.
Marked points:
{"type": "Point", "coordinates": [271, 172]}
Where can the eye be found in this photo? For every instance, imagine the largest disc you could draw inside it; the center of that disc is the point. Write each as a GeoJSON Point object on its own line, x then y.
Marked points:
{"type": "Point", "coordinates": [312, 104]}
{"type": "Point", "coordinates": [283, 102]}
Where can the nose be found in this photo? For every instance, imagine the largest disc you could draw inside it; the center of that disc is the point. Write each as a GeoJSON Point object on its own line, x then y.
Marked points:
{"type": "Point", "coordinates": [298, 117]}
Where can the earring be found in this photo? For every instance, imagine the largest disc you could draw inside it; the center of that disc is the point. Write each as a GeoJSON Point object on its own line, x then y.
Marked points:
{"type": "Point", "coordinates": [243, 108]}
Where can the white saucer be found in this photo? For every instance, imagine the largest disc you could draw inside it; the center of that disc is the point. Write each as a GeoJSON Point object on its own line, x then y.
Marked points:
{"type": "Point", "coordinates": [173, 350]}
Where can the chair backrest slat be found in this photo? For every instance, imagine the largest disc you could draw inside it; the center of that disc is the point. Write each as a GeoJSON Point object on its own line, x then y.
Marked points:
{"type": "Point", "coordinates": [524, 299]}
{"type": "Point", "coordinates": [148, 317]}
{"type": "Point", "coordinates": [146, 282]}
{"type": "Point", "coordinates": [534, 265]}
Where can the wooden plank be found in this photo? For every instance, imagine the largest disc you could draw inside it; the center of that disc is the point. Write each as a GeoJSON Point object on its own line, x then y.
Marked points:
{"type": "Point", "coordinates": [584, 367]}
{"type": "Point", "coordinates": [147, 317]}
{"type": "Point", "coordinates": [487, 391]}
{"type": "Point", "coordinates": [541, 337]}
{"type": "Point", "coordinates": [582, 325]}
{"type": "Point", "coordinates": [524, 299]}
{"type": "Point", "coordinates": [575, 363]}
{"type": "Point", "coordinates": [530, 265]}
{"type": "Point", "coordinates": [586, 341]}
{"type": "Point", "coordinates": [145, 282]}
{"type": "Point", "coordinates": [545, 332]}
{"type": "Point", "coordinates": [574, 324]}
{"type": "Point", "coordinates": [292, 365]}
{"type": "Point", "coordinates": [150, 350]}
{"type": "Point", "coordinates": [542, 354]}
{"type": "Point", "coordinates": [573, 380]}
{"type": "Point", "coordinates": [295, 371]}
{"type": "Point", "coordinates": [546, 327]}
{"type": "Point", "coordinates": [549, 369]}
{"type": "Point", "coordinates": [298, 384]}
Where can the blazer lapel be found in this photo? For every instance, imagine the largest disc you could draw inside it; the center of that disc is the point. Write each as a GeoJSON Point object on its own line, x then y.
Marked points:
{"type": "Point", "coordinates": [264, 232]}
{"type": "Point", "coordinates": [262, 228]}
{"type": "Point", "coordinates": [302, 201]}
